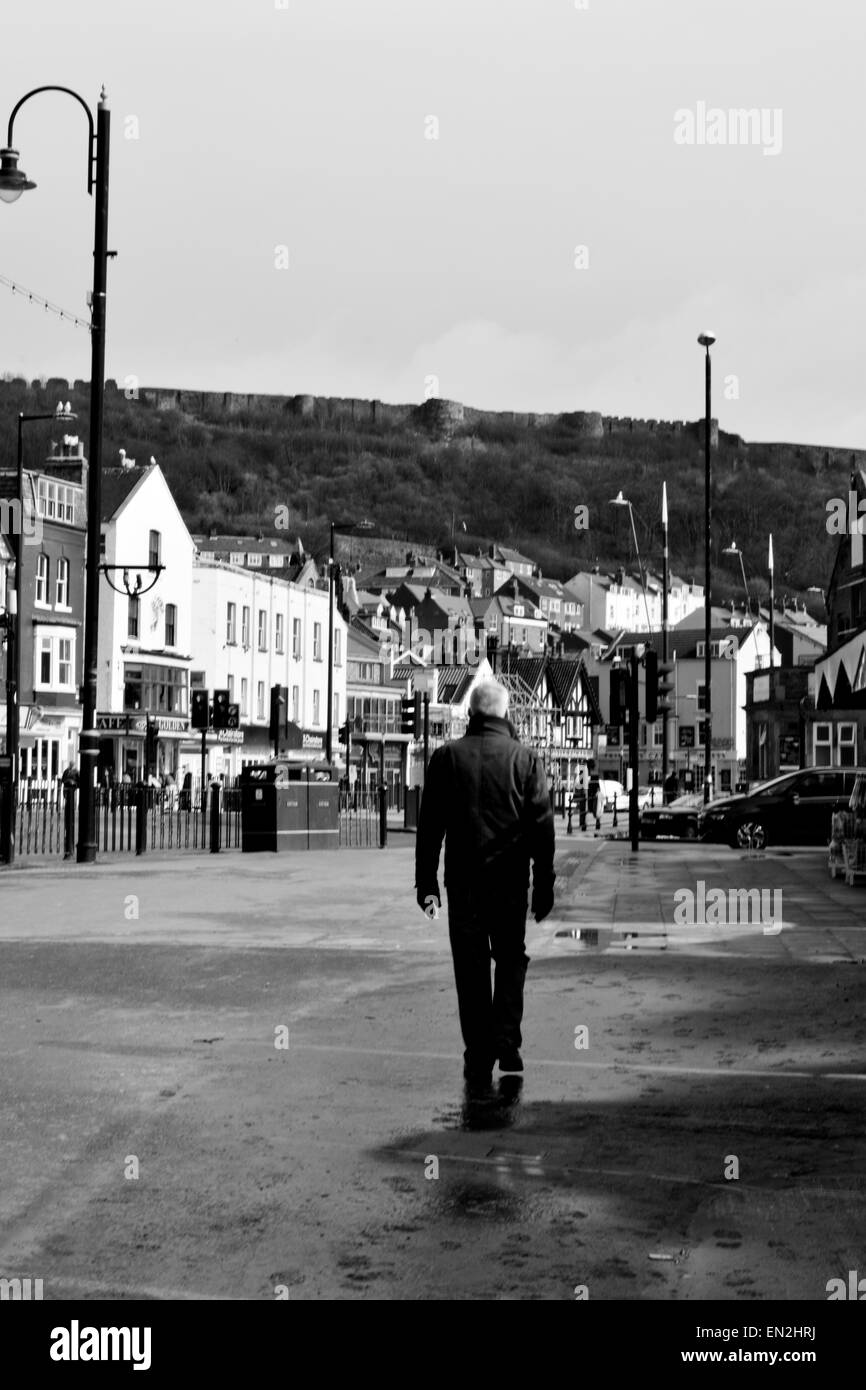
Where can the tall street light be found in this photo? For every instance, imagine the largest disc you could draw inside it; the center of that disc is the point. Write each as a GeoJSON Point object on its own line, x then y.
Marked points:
{"type": "Point", "coordinates": [706, 341]}
{"type": "Point", "coordinates": [13, 648]}
{"type": "Point", "coordinates": [665, 586]}
{"type": "Point", "coordinates": [620, 501]}
{"type": "Point", "coordinates": [734, 549]}
{"type": "Point", "coordinates": [13, 182]}
{"type": "Point", "coordinates": [770, 567]}
{"type": "Point", "coordinates": [347, 527]}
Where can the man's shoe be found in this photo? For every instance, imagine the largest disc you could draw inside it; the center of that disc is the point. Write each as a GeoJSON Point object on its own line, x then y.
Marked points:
{"type": "Point", "coordinates": [510, 1060]}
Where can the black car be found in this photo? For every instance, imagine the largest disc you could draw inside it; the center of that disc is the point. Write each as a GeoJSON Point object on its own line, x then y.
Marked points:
{"type": "Point", "coordinates": [795, 809]}
{"type": "Point", "coordinates": [680, 820]}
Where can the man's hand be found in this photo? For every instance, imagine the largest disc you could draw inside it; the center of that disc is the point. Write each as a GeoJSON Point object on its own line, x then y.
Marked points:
{"type": "Point", "coordinates": [429, 900]}
{"type": "Point", "coordinates": [542, 900]}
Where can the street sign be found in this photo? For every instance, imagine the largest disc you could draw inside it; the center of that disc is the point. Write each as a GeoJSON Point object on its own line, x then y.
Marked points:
{"type": "Point", "coordinates": [687, 736]}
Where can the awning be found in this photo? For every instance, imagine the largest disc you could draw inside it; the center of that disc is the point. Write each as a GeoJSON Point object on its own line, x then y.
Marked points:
{"type": "Point", "coordinates": [851, 658]}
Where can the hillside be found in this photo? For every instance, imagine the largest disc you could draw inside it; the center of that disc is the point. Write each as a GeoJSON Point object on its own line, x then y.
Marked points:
{"type": "Point", "coordinates": [500, 477]}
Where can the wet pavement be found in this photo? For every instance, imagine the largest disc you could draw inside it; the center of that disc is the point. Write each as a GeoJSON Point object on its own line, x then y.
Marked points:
{"type": "Point", "coordinates": [240, 1077]}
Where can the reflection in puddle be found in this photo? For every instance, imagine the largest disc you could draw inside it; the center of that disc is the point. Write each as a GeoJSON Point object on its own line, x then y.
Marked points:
{"type": "Point", "coordinates": [606, 939]}
{"type": "Point", "coordinates": [485, 1108]}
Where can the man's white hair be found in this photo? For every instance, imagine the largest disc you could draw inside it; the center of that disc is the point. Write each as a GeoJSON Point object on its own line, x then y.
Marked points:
{"type": "Point", "coordinates": [489, 697]}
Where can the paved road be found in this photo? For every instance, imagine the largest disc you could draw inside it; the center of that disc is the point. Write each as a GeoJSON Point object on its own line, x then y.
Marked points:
{"type": "Point", "coordinates": [142, 1008]}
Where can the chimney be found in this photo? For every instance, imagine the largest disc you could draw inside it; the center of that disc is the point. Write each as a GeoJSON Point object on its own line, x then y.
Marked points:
{"type": "Point", "coordinates": [515, 588]}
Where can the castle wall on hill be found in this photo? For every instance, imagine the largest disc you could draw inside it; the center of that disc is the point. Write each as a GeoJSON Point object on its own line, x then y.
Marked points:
{"type": "Point", "coordinates": [441, 418]}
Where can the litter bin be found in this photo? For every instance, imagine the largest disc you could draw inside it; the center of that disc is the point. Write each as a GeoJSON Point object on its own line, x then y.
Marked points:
{"type": "Point", "coordinates": [323, 814]}
{"type": "Point", "coordinates": [411, 807]}
{"type": "Point", "coordinates": [273, 809]}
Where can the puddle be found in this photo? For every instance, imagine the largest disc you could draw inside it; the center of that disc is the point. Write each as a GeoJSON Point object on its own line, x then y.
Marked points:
{"type": "Point", "coordinates": [619, 939]}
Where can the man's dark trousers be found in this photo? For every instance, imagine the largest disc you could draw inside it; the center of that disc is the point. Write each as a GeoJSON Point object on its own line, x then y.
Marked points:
{"type": "Point", "coordinates": [488, 920]}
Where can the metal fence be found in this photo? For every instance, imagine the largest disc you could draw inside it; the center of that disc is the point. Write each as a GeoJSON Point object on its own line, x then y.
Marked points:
{"type": "Point", "coordinates": [129, 818]}
{"type": "Point", "coordinates": [137, 819]}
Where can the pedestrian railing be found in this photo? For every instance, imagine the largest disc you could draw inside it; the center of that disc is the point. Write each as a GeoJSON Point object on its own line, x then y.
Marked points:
{"type": "Point", "coordinates": [129, 818]}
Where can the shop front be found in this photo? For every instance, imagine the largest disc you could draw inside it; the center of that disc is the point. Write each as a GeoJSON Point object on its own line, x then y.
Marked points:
{"type": "Point", "coordinates": [126, 754]}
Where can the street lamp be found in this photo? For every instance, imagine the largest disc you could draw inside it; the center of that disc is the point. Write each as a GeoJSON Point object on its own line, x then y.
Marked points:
{"type": "Point", "coordinates": [620, 501]}
{"type": "Point", "coordinates": [13, 182]}
{"type": "Point", "coordinates": [63, 414]}
{"type": "Point", "coordinates": [734, 549]}
{"type": "Point", "coordinates": [346, 527]}
{"type": "Point", "coordinates": [706, 341]}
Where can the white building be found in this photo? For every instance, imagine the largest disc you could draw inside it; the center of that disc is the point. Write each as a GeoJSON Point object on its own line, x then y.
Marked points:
{"type": "Point", "coordinates": [255, 629]}
{"type": "Point", "coordinates": [616, 602]}
{"type": "Point", "coordinates": [145, 645]}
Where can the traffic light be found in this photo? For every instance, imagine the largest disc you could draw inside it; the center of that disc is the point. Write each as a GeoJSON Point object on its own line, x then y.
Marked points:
{"type": "Point", "coordinates": [344, 733]}
{"type": "Point", "coordinates": [618, 696]}
{"type": "Point", "coordinates": [410, 714]}
{"type": "Point", "coordinates": [151, 738]}
{"type": "Point", "coordinates": [220, 709]}
{"type": "Point", "coordinates": [200, 709]}
{"type": "Point", "coordinates": [279, 706]}
{"type": "Point", "coordinates": [664, 685]}
{"type": "Point", "coordinates": [233, 717]}
{"type": "Point", "coordinates": [651, 663]}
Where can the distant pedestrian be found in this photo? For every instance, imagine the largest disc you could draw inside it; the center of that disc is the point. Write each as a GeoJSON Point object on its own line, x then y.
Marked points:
{"type": "Point", "coordinates": [486, 795]}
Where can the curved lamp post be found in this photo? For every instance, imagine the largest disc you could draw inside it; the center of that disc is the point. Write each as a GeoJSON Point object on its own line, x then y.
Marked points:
{"type": "Point", "coordinates": [706, 341]}
{"type": "Point", "coordinates": [14, 182]}
{"type": "Point", "coordinates": [734, 549]}
{"type": "Point", "coordinates": [620, 501]}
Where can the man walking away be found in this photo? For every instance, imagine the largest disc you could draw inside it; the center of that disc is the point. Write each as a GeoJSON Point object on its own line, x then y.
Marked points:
{"type": "Point", "coordinates": [486, 795]}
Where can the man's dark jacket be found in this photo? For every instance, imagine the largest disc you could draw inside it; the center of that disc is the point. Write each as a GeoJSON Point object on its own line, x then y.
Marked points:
{"type": "Point", "coordinates": [487, 795]}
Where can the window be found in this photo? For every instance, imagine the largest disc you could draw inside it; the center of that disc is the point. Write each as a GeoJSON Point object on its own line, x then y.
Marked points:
{"type": "Point", "coordinates": [154, 549]}
{"type": "Point", "coordinates": [171, 624]}
{"type": "Point", "coordinates": [56, 501]}
{"type": "Point", "coordinates": [133, 618]}
{"type": "Point", "coordinates": [260, 700]}
{"type": "Point", "coordinates": [254, 559]}
{"type": "Point", "coordinates": [54, 666]}
{"type": "Point", "coordinates": [154, 689]}
{"type": "Point", "coordinates": [296, 700]}
{"type": "Point", "coordinates": [335, 715]}
{"type": "Point", "coordinates": [244, 697]}
{"type": "Point", "coordinates": [245, 626]}
{"type": "Point", "coordinates": [823, 744]}
{"type": "Point", "coordinates": [338, 645]}
{"type": "Point", "coordinates": [847, 745]}
{"type": "Point", "coordinates": [64, 661]}
{"type": "Point", "coordinates": [231, 624]}
{"type": "Point", "coordinates": [102, 544]}
{"type": "Point", "coordinates": [316, 710]}
{"type": "Point", "coordinates": [278, 633]}
{"type": "Point", "coordinates": [61, 584]}
{"type": "Point", "coordinates": [263, 629]}
{"type": "Point", "coordinates": [230, 683]}
{"type": "Point", "coordinates": [296, 639]}
{"type": "Point", "coordinates": [42, 580]}
{"type": "Point", "coordinates": [317, 641]}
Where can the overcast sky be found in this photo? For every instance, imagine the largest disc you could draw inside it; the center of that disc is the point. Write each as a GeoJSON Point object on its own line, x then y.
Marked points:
{"type": "Point", "coordinates": [559, 125]}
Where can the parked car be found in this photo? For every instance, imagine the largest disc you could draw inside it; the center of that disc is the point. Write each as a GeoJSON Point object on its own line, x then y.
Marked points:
{"type": "Point", "coordinates": [644, 796]}
{"type": "Point", "coordinates": [679, 820]}
{"type": "Point", "coordinates": [796, 808]}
